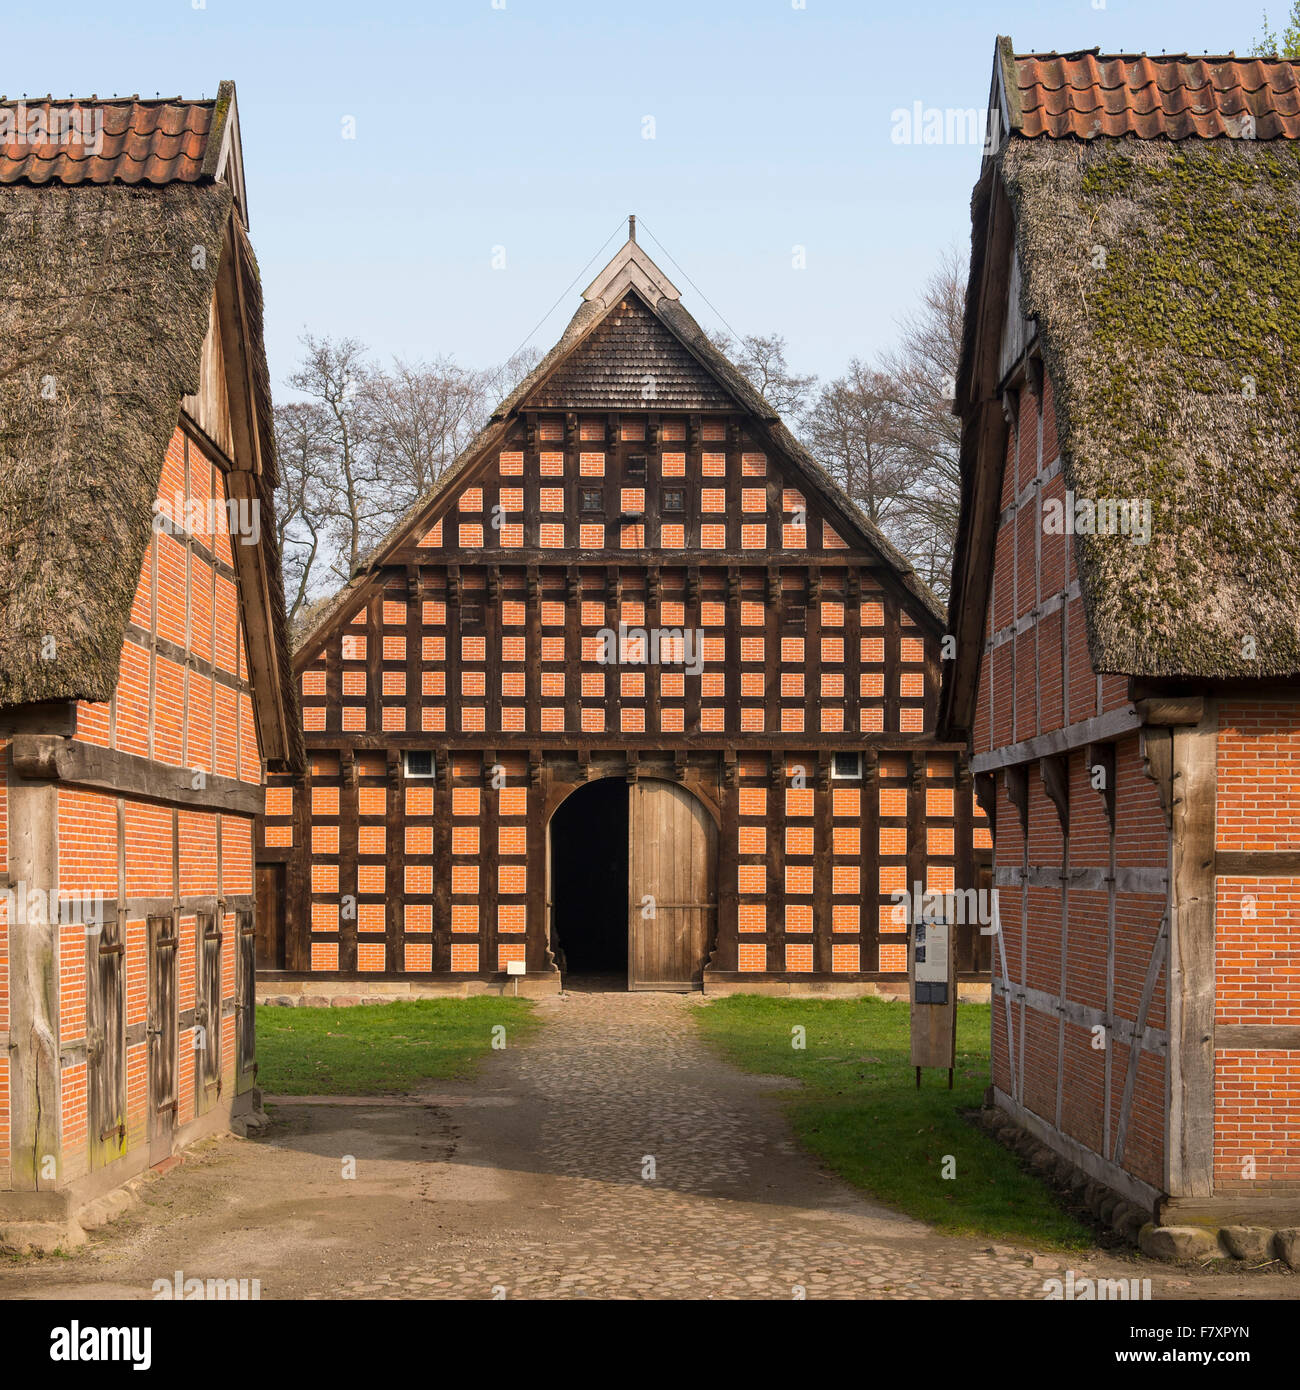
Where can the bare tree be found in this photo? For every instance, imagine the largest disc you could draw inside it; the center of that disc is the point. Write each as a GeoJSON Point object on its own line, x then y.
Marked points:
{"type": "Point", "coordinates": [853, 430]}
{"type": "Point", "coordinates": [760, 359]}
{"type": "Point", "coordinates": [332, 376]}
{"type": "Point", "coordinates": [303, 497]}
{"type": "Point", "coordinates": [923, 369]}
{"type": "Point", "coordinates": [419, 416]}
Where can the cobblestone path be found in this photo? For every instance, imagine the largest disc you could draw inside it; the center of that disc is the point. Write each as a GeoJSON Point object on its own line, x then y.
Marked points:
{"type": "Point", "coordinates": [535, 1181]}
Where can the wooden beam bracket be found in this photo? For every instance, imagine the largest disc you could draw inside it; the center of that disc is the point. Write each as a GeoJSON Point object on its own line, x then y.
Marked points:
{"type": "Point", "coordinates": [1017, 777]}
{"type": "Point", "coordinates": [1055, 774]}
{"type": "Point", "coordinates": [1156, 745]}
{"type": "Point", "coordinates": [986, 793]}
{"type": "Point", "coordinates": [1099, 758]}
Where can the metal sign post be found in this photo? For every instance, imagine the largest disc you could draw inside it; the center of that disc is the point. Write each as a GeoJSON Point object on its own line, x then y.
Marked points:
{"type": "Point", "coordinates": [932, 988]}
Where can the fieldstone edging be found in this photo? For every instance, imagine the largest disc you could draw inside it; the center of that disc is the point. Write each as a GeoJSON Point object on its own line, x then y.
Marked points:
{"type": "Point", "coordinates": [1250, 1244]}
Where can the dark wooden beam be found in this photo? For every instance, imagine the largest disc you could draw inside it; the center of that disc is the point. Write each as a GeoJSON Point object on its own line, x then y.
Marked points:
{"type": "Point", "coordinates": [58, 718]}
{"type": "Point", "coordinates": [1260, 863]}
{"type": "Point", "coordinates": [40, 757]}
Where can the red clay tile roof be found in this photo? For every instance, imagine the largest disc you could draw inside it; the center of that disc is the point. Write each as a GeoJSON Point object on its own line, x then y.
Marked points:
{"type": "Point", "coordinates": [120, 141]}
{"type": "Point", "coordinates": [1174, 95]}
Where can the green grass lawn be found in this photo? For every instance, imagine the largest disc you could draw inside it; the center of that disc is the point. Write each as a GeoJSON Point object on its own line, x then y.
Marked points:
{"type": "Point", "coordinates": [859, 1111]}
{"type": "Point", "coordinates": [376, 1049]}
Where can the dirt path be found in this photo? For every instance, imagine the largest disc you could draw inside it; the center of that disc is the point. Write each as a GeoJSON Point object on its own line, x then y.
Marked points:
{"type": "Point", "coordinates": [531, 1182]}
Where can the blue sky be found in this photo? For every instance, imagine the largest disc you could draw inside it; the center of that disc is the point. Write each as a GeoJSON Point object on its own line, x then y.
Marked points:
{"type": "Point", "coordinates": [520, 124]}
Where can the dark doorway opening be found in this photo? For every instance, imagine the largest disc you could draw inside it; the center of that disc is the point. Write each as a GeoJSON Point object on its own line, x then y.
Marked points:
{"type": "Point", "coordinates": [589, 883]}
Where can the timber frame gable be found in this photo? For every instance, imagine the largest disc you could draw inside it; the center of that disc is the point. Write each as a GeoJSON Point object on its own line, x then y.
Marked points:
{"type": "Point", "coordinates": [739, 412]}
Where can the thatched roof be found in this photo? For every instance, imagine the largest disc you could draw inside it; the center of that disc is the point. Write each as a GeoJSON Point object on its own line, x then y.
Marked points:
{"type": "Point", "coordinates": [655, 333]}
{"type": "Point", "coordinates": [110, 252]}
{"type": "Point", "coordinates": [102, 319]}
{"type": "Point", "coordinates": [1165, 280]}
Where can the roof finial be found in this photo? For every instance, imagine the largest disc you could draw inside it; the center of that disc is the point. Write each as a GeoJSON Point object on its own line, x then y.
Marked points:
{"type": "Point", "coordinates": [631, 226]}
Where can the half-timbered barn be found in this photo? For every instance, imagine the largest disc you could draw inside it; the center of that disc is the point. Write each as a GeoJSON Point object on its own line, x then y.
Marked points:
{"type": "Point", "coordinates": [144, 660]}
{"type": "Point", "coordinates": [636, 690]}
{"type": "Point", "coordinates": [1126, 603]}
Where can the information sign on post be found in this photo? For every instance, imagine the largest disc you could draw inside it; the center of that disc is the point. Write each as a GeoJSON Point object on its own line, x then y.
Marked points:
{"type": "Point", "coordinates": [932, 977]}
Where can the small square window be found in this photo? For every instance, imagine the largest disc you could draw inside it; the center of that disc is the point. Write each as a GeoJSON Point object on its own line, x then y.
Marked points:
{"type": "Point", "coordinates": [635, 467]}
{"type": "Point", "coordinates": [674, 499]}
{"type": "Point", "coordinates": [593, 499]}
{"type": "Point", "coordinates": [419, 762]}
{"type": "Point", "coordinates": [847, 766]}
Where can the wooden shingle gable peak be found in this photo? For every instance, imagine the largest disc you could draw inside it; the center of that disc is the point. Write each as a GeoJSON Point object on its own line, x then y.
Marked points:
{"type": "Point", "coordinates": [631, 313]}
{"type": "Point", "coordinates": [183, 324]}
{"type": "Point", "coordinates": [1108, 177]}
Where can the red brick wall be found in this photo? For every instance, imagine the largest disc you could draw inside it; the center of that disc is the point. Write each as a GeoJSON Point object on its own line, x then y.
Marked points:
{"type": "Point", "coordinates": [1042, 679]}
{"type": "Point", "coordinates": [198, 720]}
{"type": "Point", "coordinates": [1064, 1072]}
{"type": "Point", "coordinates": [1036, 683]}
{"type": "Point", "coordinates": [1257, 945]}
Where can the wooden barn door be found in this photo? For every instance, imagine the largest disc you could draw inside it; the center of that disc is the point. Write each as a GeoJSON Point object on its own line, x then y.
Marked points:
{"type": "Point", "coordinates": [672, 858]}
{"type": "Point", "coordinates": [162, 1030]}
{"type": "Point", "coordinates": [207, 1012]}
{"type": "Point", "coordinates": [105, 1044]}
{"type": "Point", "coordinates": [270, 916]}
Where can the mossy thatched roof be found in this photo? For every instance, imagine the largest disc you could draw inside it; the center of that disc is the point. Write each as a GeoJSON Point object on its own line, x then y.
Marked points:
{"type": "Point", "coordinates": [1165, 279]}
{"type": "Point", "coordinates": [103, 311]}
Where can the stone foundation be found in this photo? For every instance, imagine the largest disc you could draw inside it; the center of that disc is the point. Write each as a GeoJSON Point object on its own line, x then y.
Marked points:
{"type": "Point", "coordinates": [717, 982]}
{"type": "Point", "coordinates": [57, 1218]}
{"type": "Point", "coordinates": [324, 993]}
{"type": "Point", "coordinates": [1136, 1222]}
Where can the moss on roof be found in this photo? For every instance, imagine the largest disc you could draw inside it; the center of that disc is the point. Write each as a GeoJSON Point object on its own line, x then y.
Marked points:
{"type": "Point", "coordinates": [103, 312]}
{"type": "Point", "coordinates": [1165, 278]}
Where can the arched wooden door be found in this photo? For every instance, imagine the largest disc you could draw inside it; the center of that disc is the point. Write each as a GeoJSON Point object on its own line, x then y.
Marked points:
{"type": "Point", "coordinates": [672, 887]}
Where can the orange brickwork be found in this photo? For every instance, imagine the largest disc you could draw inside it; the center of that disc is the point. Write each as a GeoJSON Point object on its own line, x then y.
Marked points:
{"type": "Point", "coordinates": [127, 859]}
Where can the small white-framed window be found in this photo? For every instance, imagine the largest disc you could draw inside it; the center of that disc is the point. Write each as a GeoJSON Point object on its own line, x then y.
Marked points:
{"type": "Point", "coordinates": [418, 762]}
{"type": "Point", "coordinates": [847, 766]}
